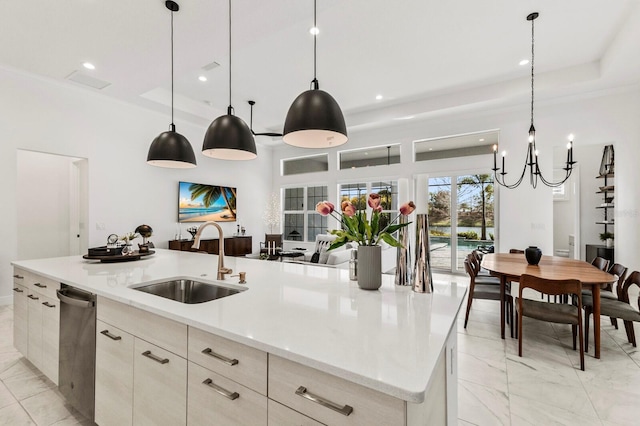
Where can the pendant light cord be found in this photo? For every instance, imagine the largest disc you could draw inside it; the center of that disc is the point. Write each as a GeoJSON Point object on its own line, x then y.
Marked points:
{"type": "Point", "coordinates": [172, 124]}
{"type": "Point", "coordinates": [229, 109]}
{"type": "Point", "coordinates": [315, 39]}
{"type": "Point", "coordinates": [532, 59]}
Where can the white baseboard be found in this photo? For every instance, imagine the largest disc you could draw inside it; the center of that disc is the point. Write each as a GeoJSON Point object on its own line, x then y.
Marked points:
{"type": "Point", "coordinates": [6, 300]}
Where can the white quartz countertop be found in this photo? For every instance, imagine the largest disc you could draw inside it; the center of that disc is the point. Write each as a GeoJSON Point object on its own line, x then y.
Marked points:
{"type": "Point", "coordinates": [388, 340]}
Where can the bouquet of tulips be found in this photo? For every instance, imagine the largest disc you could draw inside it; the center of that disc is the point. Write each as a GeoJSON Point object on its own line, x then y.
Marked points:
{"type": "Point", "coordinates": [357, 228]}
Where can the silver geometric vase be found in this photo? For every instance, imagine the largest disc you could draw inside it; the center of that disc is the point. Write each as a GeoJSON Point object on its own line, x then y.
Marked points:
{"type": "Point", "coordinates": [403, 256]}
{"type": "Point", "coordinates": [422, 278]}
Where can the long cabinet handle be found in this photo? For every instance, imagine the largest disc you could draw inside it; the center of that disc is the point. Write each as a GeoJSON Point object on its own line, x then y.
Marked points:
{"type": "Point", "coordinates": [40, 285]}
{"type": "Point", "coordinates": [20, 277]}
{"type": "Point", "coordinates": [18, 290]}
{"type": "Point", "coordinates": [219, 357]}
{"type": "Point", "coordinates": [222, 391]}
{"type": "Point", "coordinates": [344, 410]}
{"type": "Point", "coordinates": [48, 305]}
{"type": "Point", "coordinates": [156, 358]}
{"type": "Point", "coordinates": [31, 296]}
{"type": "Point", "coordinates": [111, 336]}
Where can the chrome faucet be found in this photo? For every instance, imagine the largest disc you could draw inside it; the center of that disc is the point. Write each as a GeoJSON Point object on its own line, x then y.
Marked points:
{"type": "Point", "coordinates": [196, 245]}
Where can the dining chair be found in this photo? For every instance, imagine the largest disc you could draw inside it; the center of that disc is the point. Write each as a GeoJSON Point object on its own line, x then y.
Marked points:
{"type": "Point", "coordinates": [559, 313]}
{"type": "Point", "coordinates": [611, 291]}
{"type": "Point", "coordinates": [485, 287]}
{"type": "Point", "coordinates": [616, 308]}
{"type": "Point", "coordinates": [600, 263]}
{"type": "Point", "coordinates": [271, 241]}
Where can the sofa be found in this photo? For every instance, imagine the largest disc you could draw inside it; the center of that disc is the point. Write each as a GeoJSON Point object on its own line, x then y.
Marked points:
{"type": "Point", "coordinates": [339, 257]}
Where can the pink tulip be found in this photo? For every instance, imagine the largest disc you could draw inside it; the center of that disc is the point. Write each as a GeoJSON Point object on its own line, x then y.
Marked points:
{"type": "Point", "coordinates": [373, 201]}
{"type": "Point", "coordinates": [325, 208]}
{"type": "Point", "coordinates": [407, 208]}
{"type": "Point", "coordinates": [348, 209]}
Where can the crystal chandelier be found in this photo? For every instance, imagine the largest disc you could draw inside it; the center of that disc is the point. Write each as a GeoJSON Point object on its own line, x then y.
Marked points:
{"type": "Point", "coordinates": [532, 152]}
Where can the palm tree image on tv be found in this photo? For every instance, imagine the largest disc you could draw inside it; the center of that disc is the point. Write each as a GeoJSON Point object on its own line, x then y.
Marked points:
{"type": "Point", "coordinates": [199, 203]}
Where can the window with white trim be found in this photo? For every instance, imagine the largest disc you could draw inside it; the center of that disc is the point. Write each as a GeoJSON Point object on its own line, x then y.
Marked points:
{"type": "Point", "coordinates": [357, 194]}
{"type": "Point", "coordinates": [301, 221]}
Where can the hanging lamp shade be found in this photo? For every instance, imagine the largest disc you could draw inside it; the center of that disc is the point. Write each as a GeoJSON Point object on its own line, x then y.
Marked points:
{"type": "Point", "coordinates": [315, 120]}
{"type": "Point", "coordinates": [170, 149]}
{"type": "Point", "coordinates": [229, 138]}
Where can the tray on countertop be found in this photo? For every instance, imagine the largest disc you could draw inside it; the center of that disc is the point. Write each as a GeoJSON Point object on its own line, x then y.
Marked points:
{"type": "Point", "coordinates": [136, 255]}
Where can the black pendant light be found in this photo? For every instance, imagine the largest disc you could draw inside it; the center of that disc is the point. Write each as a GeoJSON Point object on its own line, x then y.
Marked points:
{"type": "Point", "coordinates": [315, 119]}
{"type": "Point", "coordinates": [171, 149]}
{"type": "Point", "coordinates": [228, 137]}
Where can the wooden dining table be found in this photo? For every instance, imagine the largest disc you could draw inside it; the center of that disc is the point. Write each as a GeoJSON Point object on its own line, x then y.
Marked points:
{"type": "Point", "coordinates": [511, 266]}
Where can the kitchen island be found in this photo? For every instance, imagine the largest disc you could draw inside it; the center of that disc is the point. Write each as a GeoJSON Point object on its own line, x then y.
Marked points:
{"type": "Point", "coordinates": [393, 351]}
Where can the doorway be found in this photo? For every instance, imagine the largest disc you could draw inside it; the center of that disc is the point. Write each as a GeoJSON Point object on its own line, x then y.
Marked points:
{"type": "Point", "coordinates": [52, 205]}
{"type": "Point", "coordinates": [461, 218]}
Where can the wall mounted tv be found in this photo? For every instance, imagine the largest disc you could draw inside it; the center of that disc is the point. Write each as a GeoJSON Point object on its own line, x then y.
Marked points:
{"type": "Point", "coordinates": [201, 203]}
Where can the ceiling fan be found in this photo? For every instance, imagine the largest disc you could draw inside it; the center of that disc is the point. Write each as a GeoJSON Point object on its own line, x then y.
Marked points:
{"type": "Point", "coordinates": [273, 135]}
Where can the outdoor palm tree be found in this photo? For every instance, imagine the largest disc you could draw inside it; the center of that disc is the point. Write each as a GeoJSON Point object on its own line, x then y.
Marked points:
{"type": "Point", "coordinates": [484, 182]}
{"type": "Point", "coordinates": [210, 194]}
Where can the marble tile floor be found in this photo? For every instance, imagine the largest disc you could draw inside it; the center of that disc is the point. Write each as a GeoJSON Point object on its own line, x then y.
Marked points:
{"type": "Point", "coordinates": [495, 387]}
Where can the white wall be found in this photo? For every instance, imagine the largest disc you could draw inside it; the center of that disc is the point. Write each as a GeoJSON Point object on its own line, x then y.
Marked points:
{"type": "Point", "coordinates": [43, 200]}
{"type": "Point", "coordinates": [525, 214]}
{"type": "Point", "coordinates": [39, 115]}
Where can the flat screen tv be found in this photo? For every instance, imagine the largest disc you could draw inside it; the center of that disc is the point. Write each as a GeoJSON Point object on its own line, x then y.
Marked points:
{"type": "Point", "coordinates": [201, 203]}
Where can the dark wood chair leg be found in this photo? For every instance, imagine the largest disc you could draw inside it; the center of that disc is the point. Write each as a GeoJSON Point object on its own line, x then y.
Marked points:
{"type": "Point", "coordinates": [469, 300]}
{"type": "Point", "coordinates": [519, 330]}
{"type": "Point", "coordinates": [614, 322]}
{"type": "Point", "coordinates": [632, 333]}
{"type": "Point", "coordinates": [587, 316]}
{"type": "Point", "coordinates": [581, 346]}
{"type": "Point", "coordinates": [574, 329]}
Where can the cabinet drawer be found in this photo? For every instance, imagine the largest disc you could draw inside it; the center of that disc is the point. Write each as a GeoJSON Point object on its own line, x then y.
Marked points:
{"type": "Point", "coordinates": [45, 286]}
{"type": "Point", "coordinates": [294, 385]}
{"type": "Point", "coordinates": [153, 328]}
{"type": "Point", "coordinates": [279, 415]}
{"type": "Point", "coordinates": [20, 277]}
{"type": "Point", "coordinates": [114, 376]}
{"type": "Point", "coordinates": [212, 396]}
{"type": "Point", "coordinates": [160, 383]}
{"type": "Point", "coordinates": [238, 362]}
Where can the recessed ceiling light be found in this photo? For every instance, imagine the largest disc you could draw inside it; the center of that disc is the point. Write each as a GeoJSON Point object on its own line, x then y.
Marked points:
{"type": "Point", "coordinates": [314, 30]}
{"type": "Point", "coordinates": [202, 78]}
{"type": "Point", "coordinates": [481, 139]}
{"type": "Point", "coordinates": [406, 117]}
{"type": "Point", "coordinates": [378, 97]}
{"type": "Point", "coordinates": [89, 65]}
{"type": "Point", "coordinates": [524, 62]}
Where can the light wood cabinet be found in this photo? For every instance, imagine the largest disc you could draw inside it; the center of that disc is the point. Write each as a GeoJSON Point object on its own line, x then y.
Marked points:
{"type": "Point", "coordinates": [36, 322]}
{"type": "Point", "coordinates": [215, 399]}
{"type": "Point", "coordinates": [50, 337]}
{"type": "Point", "coordinates": [20, 314]}
{"type": "Point", "coordinates": [141, 367]}
{"type": "Point", "coordinates": [238, 362]}
{"type": "Point", "coordinates": [159, 386]}
{"type": "Point", "coordinates": [114, 376]}
{"type": "Point", "coordinates": [330, 399]}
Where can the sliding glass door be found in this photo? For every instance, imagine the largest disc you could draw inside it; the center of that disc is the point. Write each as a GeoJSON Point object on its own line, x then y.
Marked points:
{"type": "Point", "coordinates": [461, 218]}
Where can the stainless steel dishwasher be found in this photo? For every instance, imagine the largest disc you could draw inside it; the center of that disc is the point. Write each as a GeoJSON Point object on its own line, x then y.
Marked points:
{"type": "Point", "coordinates": [77, 348]}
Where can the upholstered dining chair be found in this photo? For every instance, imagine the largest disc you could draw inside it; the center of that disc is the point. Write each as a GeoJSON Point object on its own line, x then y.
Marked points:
{"type": "Point", "coordinates": [485, 287]}
{"type": "Point", "coordinates": [616, 308]}
{"type": "Point", "coordinates": [559, 313]}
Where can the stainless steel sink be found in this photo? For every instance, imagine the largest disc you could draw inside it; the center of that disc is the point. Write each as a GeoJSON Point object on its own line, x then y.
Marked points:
{"type": "Point", "coordinates": [188, 291]}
